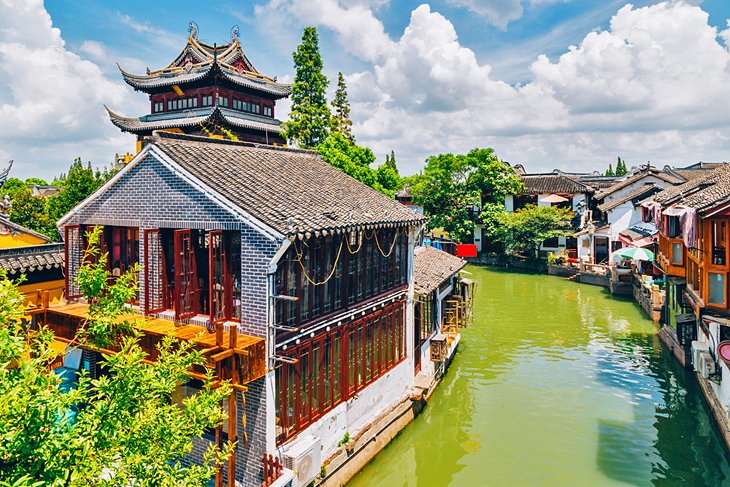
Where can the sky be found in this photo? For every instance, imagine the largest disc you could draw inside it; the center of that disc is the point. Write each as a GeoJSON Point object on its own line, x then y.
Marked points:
{"type": "Point", "coordinates": [568, 84]}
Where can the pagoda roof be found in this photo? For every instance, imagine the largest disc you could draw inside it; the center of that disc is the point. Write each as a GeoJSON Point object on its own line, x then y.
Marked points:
{"type": "Point", "coordinates": [192, 117]}
{"type": "Point", "coordinates": [199, 60]}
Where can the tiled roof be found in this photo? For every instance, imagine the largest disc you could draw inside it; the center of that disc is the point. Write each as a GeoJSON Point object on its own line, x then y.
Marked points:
{"type": "Point", "coordinates": [702, 193]}
{"type": "Point", "coordinates": [194, 117]}
{"type": "Point", "coordinates": [292, 191]}
{"type": "Point", "coordinates": [431, 267]}
{"type": "Point", "coordinates": [4, 222]}
{"type": "Point", "coordinates": [201, 71]}
{"type": "Point", "coordinates": [599, 182]}
{"type": "Point", "coordinates": [636, 178]}
{"type": "Point", "coordinates": [553, 183]}
{"type": "Point", "coordinates": [637, 194]}
{"type": "Point", "coordinates": [24, 260]}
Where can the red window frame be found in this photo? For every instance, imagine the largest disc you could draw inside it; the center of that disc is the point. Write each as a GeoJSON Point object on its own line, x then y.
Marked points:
{"type": "Point", "coordinates": [187, 303]}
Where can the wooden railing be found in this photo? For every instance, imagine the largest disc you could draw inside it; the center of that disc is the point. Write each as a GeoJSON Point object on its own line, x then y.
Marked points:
{"type": "Point", "coordinates": [273, 469]}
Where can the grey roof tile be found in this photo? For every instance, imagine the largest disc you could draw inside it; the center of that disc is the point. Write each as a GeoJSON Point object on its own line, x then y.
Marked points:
{"type": "Point", "coordinates": [293, 191]}
{"type": "Point", "coordinates": [431, 267]}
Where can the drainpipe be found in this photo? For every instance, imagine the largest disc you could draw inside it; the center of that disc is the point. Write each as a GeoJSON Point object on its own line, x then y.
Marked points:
{"type": "Point", "coordinates": [270, 378]}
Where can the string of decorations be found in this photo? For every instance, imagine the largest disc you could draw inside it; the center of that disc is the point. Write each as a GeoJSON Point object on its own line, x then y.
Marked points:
{"type": "Point", "coordinates": [374, 234]}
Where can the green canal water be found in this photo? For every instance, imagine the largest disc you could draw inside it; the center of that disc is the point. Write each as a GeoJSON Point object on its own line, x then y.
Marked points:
{"type": "Point", "coordinates": [556, 384]}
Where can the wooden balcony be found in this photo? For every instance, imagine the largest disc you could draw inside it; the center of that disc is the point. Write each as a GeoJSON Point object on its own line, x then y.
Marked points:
{"type": "Point", "coordinates": [672, 256]}
{"type": "Point", "coordinates": [240, 358]}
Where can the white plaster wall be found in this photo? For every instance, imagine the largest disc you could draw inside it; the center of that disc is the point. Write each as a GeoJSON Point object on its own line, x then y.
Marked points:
{"type": "Point", "coordinates": [577, 199]}
{"type": "Point", "coordinates": [478, 237]}
{"type": "Point", "coordinates": [636, 185]}
{"type": "Point", "coordinates": [585, 251]}
{"type": "Point", "coordinates": [620, 219]}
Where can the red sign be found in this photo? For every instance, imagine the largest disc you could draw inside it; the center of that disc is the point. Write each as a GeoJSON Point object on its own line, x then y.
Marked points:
{"type": "Point", "coordinates": [466, 250]}
{"type": "Point", "coordinates": [723, 350]}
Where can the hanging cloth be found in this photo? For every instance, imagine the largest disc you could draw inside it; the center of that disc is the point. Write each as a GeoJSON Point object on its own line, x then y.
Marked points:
{"type": "Point", "coordinates": [689, 227]}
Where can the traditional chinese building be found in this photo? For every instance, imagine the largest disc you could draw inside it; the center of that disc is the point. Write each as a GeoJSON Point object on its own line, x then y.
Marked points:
{"type": "Point", "coordinates": [297, 281]}
{"type": "Point", "coordinates": [208, 90]}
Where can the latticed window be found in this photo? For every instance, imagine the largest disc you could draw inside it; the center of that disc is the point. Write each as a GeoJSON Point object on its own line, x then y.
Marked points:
{"type": "Point", "coordinates": [73, 240]}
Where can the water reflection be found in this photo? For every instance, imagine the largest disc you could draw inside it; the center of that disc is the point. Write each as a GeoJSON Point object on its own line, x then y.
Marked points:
{"type": "Point", "coordinates": [556, 384]}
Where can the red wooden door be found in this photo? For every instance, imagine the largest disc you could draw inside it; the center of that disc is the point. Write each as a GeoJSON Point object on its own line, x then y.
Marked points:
{"type": "Point", "coordinates": [187, 303]}
{"type": "Point", "coordinates": [219, 285]}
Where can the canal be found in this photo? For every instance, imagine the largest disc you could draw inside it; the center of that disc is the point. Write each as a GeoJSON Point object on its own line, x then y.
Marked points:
{"type": "Point", "coordinates": [556, 383]}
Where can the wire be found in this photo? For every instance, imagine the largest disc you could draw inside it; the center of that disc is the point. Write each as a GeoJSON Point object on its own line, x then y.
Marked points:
{"type": "Point", "coordinates": [392, 246]}
{"type": "Point", "coordinates": [349, 249]}
{"type": "Point", "coordinates": [304, 271]}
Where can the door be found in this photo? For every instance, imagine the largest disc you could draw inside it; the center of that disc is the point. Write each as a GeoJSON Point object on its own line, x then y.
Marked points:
{"type": "Point", "coordinates": [219, 276]}
{"type": "Point", "coordinates": [187, 303]}
{"type": "Point", "coordinates": [600, 249]}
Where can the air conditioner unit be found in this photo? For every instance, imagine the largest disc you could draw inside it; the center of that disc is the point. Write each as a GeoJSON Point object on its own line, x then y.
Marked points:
{"type": "Point", "coordinates": [707, 365]}
{"type": "Point", "coordinates": [697, 348]}
{"type": "Point", "coordinates": [304, 458]}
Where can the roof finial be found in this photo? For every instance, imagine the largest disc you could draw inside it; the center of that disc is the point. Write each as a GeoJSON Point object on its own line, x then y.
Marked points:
{"type": "Point", "coordinates": [193, 29]}
{"type": "Point", "coordinates": [234, 33]}
{"type": "Point", "coordinates": [4, 173]}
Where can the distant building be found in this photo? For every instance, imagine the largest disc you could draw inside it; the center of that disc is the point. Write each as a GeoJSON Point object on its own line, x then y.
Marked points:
{"type": "Point", "coordinates": [208, 90]}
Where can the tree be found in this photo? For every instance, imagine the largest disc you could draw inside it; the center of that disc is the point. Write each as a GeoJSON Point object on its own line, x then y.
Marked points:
{"type": "Point", "coordinates": [621, 168]}
{"type": "Point", "coordinates": [120, 429]}
{"type": "Point", "coordinates": [32, 212]}
{"type": "Point", "coordinates": [453, 185]}
{"type": "Point", "coordinates": [525, 230]}
{"type": "Point", "coordinates": [38, 181]}
{"type": "Point", "coordinates": [13, 187]}
{"type": "Point", "coordinates": [609, 171]}
{"type": "Point", "coordinates": [341, 105]}
{"type": "Point", "coordinates": [309, 119]}
{"type": "Point", "coordinates": [351, 159]}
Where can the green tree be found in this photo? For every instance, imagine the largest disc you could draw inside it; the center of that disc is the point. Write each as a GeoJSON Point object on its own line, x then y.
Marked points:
{"type": "Point", "coordinates": [80, 182]}
{"type": "Point", "coordinates": [453, 185]}
{"type": "Point", "coordinates": [621, 168]}
{"type": "Point", "coordinates": [609, 171]}
{"type": "Point", "coordinates": [119, 430]}
{"type": "Point", "coordinates": [351, 159]}
{"type": "Point", "coordinates": [309, 119]}
{"type": "Point", "coordinates": [13, 187]}
{"type": "Point", "coordinates": [32, 212]}
{"type": "Point", "coordinates": [341, 106]}
{"type": "Point", "coordinates": [523, 231]}
{"type": "Point", "coordinates": [38, 181]}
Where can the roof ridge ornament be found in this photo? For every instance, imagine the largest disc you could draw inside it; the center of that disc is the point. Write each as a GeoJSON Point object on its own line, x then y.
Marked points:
{"type": "Point", "coordinates": [193, 29]}
{"type": "Point", "coordinates": [235, 33]}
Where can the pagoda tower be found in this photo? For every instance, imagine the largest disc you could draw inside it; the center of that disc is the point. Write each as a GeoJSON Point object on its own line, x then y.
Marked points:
{"type": "Point", "coordinates": [211, 91]}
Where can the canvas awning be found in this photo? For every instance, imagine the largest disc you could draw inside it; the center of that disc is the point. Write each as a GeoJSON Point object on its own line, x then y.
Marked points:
{"type": "Point", "coordinates": [554, 198]}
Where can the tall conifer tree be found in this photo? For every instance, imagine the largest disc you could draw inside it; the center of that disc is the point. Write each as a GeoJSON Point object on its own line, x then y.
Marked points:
{"type": "Point", "coordinates": [341, 105]}
{"type": "Point", "coordinates": [309, 120]}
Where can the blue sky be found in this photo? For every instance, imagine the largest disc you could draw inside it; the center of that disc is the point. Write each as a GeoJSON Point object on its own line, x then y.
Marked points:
{"type": "Point", "coordinates": [646, 81]}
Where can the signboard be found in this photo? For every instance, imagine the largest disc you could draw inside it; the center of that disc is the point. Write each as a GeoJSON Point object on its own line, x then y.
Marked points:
{"type": "Point", "coordinates": [723, 350]}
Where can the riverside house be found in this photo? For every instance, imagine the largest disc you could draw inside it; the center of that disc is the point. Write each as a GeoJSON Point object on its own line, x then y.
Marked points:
{"type": "Point", "coordinates": [295, 278]}
{"type": "Point", "coordinates": [694, 221]}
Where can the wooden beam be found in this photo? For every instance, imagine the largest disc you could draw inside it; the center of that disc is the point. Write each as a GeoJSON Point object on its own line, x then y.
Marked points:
{"type": "Point", "coordinates": [222, 355]}
{"type": "Point", "coordinates": [232, 426]}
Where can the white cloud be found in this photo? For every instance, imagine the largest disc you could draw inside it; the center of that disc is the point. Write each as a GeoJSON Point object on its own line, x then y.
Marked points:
{"type": "Point", "coordinates": [498, 12]}
{"type": "Point", "coordinates": [52, 99]}
{"type": "Point", "coordinates": [654, 86]}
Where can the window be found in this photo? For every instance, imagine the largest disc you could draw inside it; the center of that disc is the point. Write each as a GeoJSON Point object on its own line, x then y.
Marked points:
{"type": "Point", "coordinates": [674, 229]}
{"type": "Point", "coordinates": [647, 215]}
{"type": "Point", "coordinates": [267, 111]}
{"type": "Point", "coordinates": [236, 104]}
{"type": "Point", "coordinates": [718, 238]}
{"type": "Point", "coordinates": [207, 100]}
{"type": "Point", "coordinates": [158, 106]}
{"type": "Point", "coordinates": [344, 272]}
{"type": "Point", "coordinates": [677, 254]}
{"type": "Point", "coordinates": [336, 364]}
{"type": "Point", "coordinates": [222, 101]}
{"type": "Point", "coordinates": [716, 288]}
